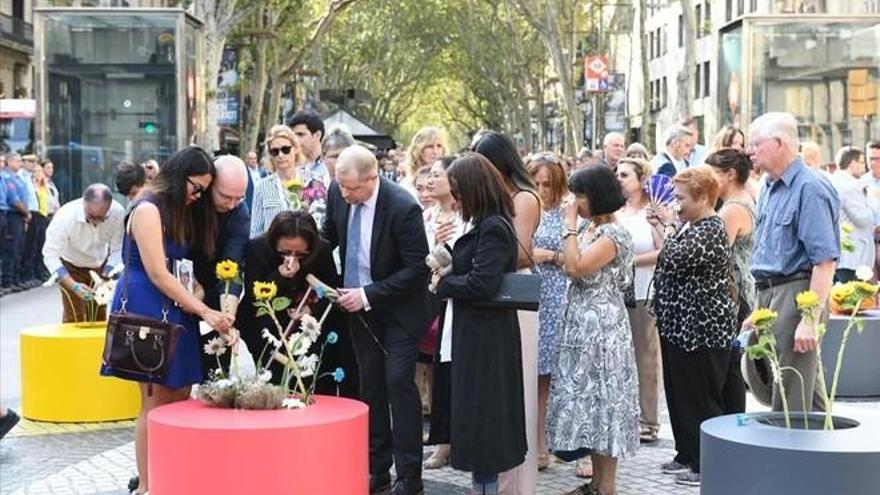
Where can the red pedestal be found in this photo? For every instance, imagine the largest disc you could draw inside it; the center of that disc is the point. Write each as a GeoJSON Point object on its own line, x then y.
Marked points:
{"type": "Point", "coordinates": [322, 449]}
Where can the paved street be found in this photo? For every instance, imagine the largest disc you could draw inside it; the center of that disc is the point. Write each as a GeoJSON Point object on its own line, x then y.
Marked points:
{"type": "Point", "coordinates": [45, 458]}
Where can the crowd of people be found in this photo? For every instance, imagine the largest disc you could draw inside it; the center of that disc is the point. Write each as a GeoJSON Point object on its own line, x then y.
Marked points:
{"type": "Point", "coordinates": [649, 265]}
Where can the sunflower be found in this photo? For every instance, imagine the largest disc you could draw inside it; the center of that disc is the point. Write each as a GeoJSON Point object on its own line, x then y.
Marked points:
{"type": "Point", "coordinates": [841, 292]}
{"type": "Point", "coordinates": [227, 270]}
{"type": "Point", "coordinates": [866, 288]}
{"type": "Point", "coordinates": [762, 317]}
{"type": "Point", "coordinates": [265, 291]}
{"type": "Point", "coordinates": [846, 227]}
{"type": "Point", "coordinates": [807, 300]}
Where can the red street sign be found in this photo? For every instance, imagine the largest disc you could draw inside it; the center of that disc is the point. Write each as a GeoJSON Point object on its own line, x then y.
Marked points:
{"type": "Point", "coordinates": [596, 73]}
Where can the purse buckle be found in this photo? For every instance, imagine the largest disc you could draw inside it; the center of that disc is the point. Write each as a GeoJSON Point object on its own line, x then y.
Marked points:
{"type": "Point", "coordinates": [143, 332]}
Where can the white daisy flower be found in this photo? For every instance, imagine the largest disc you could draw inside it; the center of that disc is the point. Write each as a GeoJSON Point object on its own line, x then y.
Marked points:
{"type": "Point", "coordinates": [300, 344]}
{"type": "Point", "coordinates": [864, 273]}
{"type": "Point", "coordinates": [96, 279]}
{"type": "Point", "coordinates": [104, 293]}
{"type": "Point", "coordinates": [310, 327]}
{"type": "Point", "coordinates": [308, 365]}
{"type": "Point", "coordinates": [293, 403]}
{"type": "Point", "coordinates": [265, 376]}
{"type": "Point", "coordinates": [215, 347]}
{"type": "Point", "coordinates": [271, 338]}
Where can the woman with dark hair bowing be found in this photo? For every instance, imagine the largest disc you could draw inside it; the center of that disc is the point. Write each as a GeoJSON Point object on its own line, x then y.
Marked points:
{"type": "Point", "coordinates": [502, 153]}
{"type": "Point", "coordinates": [594, 405]}
{"type": "Point", "coordinates": [284, 255]}
{"type": "Point", "coordinates": [161, 227]}
{"type": "Point", "coordinates": [487, 415]}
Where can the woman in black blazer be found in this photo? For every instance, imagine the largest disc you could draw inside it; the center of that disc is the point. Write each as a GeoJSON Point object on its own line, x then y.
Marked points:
{"type": "Point", "coordinates": [487, 416]}
{"type": "Point", "coordinates": [285, 254]}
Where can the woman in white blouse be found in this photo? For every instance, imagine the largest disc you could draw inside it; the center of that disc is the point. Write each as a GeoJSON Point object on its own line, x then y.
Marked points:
{"type": "Point", "coordinates": [277, 192]}
{"type": "Point", "coordinates": [633, 175]}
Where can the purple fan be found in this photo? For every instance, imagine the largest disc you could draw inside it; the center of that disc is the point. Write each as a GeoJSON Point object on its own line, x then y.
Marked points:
{"type": "Point", "coordinates": [660, 189]}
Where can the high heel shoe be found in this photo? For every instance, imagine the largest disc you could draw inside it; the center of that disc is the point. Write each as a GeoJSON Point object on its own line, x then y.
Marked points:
{"type": "Point", "coordinates": [439, 458]}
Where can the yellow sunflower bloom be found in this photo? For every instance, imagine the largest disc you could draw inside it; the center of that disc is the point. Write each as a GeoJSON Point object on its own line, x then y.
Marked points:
{"type": "Point", "coordinates": [865, 287]}
{"type": "Point", "coordinates": [227, 270]}
{"type": "Point", "coordinates": [840, 292]}
{"type": "Point", "coordinates": [807, 299]}
{"type": "Point", "coordinates": [762, 316]}
{"type": "Point", "coordinates": [265, 291]}
{"type": "Point", "coordinates": [846, 227]}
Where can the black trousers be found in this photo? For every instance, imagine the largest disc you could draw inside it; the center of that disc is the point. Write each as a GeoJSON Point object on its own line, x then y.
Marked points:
{"type": "Point", "coordinates": [844, 275]}
{"type": "Point", "coordinates": [694, 384]}
{"type": "Point", "coordinates": [32, 255]}
{"type": "Point", "coordinates": [388, 387]}
{"type": "Point", "coordinates": [12, 247]}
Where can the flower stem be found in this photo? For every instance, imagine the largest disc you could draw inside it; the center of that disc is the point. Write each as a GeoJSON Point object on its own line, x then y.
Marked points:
{"type": "Point", "coordinates": [803, 392]}
{"type": "Point", "coordinates": [829, 423]}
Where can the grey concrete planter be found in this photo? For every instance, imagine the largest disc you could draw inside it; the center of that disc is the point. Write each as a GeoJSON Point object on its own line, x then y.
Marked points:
{"type": "Point", "coordinates": [858, 375]}
{"type": "Point", "coordinates": [759, 459]}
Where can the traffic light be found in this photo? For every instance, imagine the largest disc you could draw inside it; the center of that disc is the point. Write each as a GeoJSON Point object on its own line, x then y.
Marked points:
{"type": "Point", "coordinates": [149, 127]}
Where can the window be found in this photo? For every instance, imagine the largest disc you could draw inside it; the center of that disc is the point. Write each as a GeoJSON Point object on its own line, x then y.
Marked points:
{"type": "Point", "coordinates": [698, 22]}
{"type": "Point", "coordinates": [680, 30]}
{"type": "Point", "coordinates": [664, 40]}
{"type": "Point", "coordinates": [706, 78]}
{"type": "Point", "coordinates": [663, 94]}
{"type": "Point", "coordinates": [707, 19]}
{"type": "Point", "coordinates": [651, 48]}
{"type": "Point", "coordinates": [698, 88]}
{"type": "Point", "coordinates": [728, 10]}
{"type": "Point", "coordinates": [753, 6]}
{"type": "Point", "coordinates": [741, 8]}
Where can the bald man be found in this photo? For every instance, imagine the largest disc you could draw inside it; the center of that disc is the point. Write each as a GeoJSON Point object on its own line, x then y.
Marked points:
{"type": "Point", "coordinates": [84, 235]}
{"type": "Point", "coordinates": [379, 230]}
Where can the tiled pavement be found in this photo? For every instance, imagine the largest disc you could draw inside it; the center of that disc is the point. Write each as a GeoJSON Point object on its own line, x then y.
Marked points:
{"type": "Point", "coordinates": [98, 459]}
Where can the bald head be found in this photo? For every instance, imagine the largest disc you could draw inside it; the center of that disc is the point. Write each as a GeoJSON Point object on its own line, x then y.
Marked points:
{"type": "Point", "coordinates": [230, 184]}
{"type": "Point", "coordinates": [97, 199]}
{"type": "Point", "coordinates": [357, 174]}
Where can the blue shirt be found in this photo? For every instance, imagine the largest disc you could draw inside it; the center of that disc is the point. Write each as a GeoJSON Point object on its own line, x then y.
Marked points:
{"type": "Point", "coordinates": [3, 205]}
{"type": "Point", "coordinates": [15, 189]}
{"type": "Point", "coordinates": [30, 195]}
{"type": "Point", "coordinates": [797, 226]}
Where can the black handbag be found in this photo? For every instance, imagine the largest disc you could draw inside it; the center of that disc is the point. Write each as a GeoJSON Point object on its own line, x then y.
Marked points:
{"type": "Point", "coordinates": [136, 347]}
{"type": "Point", "coordinates": [521, 291]}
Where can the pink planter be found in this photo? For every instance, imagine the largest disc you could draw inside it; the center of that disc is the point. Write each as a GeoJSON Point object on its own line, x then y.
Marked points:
{"type": "Point", "coordinates": [321, 449]}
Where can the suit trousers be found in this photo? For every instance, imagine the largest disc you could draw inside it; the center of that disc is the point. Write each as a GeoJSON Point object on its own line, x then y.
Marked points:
{"type": "Point", "coordinates": [75, 309]}
{"type": "Point", "coordinates": [388, 387]}
{"type": "Point", "coordinates": [781, 299]}
{"type": "Point", "coordinates": [32, 255]}
{"type": "Point", "coordinates": [646, 343]}
{"type": "Point", "coordinates": [694, 384]}
{"type": "Point", "coordinates": [12, 247]}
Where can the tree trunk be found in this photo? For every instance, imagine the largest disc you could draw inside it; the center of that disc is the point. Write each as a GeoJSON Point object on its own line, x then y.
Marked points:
{"type": "Point", "coordinates": [571, 111]}
{"type": "Point", "coordinates": [257, 90]}
{"type": "Point", "coordinates": [685, 95]}
{"type": "Point", "coordinates": [647, 113]}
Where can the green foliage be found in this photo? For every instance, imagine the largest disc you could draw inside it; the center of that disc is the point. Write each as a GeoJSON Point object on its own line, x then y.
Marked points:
{"type": "Point", "coordinates": [280, 303]}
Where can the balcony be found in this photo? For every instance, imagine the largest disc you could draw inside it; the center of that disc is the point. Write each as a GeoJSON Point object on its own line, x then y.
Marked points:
{"type": "Point", "coordinates": [16, 33]}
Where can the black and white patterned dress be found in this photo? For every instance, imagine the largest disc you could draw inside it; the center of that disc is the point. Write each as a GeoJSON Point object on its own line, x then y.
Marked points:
{"type": "Point", "coordinates": [594, 399]}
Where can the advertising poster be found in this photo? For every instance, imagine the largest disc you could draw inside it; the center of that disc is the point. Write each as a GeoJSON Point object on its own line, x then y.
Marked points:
{"type": "Point", "coordinates": [228, 104]}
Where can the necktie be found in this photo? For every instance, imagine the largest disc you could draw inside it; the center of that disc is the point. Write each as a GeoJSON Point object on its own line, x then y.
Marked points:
{"type": "Point", "coordinates": [353, 249]}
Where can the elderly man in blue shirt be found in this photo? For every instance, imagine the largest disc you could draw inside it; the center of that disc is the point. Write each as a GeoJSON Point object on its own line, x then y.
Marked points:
{"type": "Point", "coordinates": [797, 246]}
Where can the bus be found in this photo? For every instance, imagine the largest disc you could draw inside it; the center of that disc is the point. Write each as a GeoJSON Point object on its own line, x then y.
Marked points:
{"type": "Point", "coordinates": [17, 125]}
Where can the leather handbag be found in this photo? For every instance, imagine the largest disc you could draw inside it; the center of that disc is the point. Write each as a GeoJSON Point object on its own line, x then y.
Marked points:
{"type": "Point", "coordinates": [137, 347]}
{"type": "Point", "coordinates": [521, 291]}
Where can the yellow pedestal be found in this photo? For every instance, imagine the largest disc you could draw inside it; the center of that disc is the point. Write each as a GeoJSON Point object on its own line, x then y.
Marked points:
{"type": "Point", "coordinates": [60, 378]}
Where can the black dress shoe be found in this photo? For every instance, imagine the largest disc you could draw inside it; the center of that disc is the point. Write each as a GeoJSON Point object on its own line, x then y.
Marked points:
{"type": "Point", "coordinates": [9, 420]}
{"type": "Point", "coordinates": [408, 486]}
{"type": "Point", "coordinates": [380, 485]}
{"type": "Point", "coordinates": [133, 484]}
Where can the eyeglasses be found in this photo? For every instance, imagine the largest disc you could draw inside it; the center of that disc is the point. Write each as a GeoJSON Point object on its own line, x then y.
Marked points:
{"type": "Point", "coordinates": [227, 197]}
{"type": "Point", "coordinates": [284, 150]}
{"type": "Point", "coordinates": [198, 189]}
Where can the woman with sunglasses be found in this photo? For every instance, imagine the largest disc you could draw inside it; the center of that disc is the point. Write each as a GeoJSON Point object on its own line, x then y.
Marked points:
{"type": "Point", "coordinates": [290, 250]}
{"type": "Point", "coordinates": [552, 181]}
{"type": "Point", "coordinates": [281, 190]}
{"type": "Point", "coordinates": [634, 174]}
{"type": "Point", "coordinates": [160, 229]}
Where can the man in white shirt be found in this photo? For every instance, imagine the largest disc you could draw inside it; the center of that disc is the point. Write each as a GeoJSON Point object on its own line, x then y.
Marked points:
{"type": "Point", "coordinates": [84, 235]}
{"type": "Point", "coordinates": [855, 209]}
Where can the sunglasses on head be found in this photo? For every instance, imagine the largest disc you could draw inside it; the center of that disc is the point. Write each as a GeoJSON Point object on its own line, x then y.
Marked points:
{"type": "Point", "coordinates": [284, 150]}
{"type": "Point", "coordinates": [198, 189]}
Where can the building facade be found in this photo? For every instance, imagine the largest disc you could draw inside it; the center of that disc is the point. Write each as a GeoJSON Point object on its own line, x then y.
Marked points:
{"type": "Point", "coordinates": [16, 49]}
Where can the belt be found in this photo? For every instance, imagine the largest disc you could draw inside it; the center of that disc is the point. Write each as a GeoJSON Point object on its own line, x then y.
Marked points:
{"type": "Point", "coordinates": [766, 283]}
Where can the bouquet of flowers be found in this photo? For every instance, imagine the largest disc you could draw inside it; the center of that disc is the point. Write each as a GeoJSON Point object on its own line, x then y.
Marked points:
{"type": "Point", "coordinates": [101, 294]}
{"type": "Point", "coordinates": [294, 348]}
{"type": "Point", "coordinates": [294, 188]}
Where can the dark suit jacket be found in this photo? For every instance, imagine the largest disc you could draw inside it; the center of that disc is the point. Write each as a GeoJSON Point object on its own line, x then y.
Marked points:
{"type": "Point", "coordinates": [398, 294]}
{"type": "Point", "coordinates": [233, 231]}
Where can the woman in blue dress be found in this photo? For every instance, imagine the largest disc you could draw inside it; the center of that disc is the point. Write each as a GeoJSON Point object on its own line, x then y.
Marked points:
{"type": "Point", "coordinates": [161, 226]}
{"type": "Point", "coordinates": [552, 184]}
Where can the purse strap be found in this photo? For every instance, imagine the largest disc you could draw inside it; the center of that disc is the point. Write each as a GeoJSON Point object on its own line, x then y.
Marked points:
{"type": "Point", "coordinates": [528, 254]}
{"type": "Point", "coordinates": [124, 299]}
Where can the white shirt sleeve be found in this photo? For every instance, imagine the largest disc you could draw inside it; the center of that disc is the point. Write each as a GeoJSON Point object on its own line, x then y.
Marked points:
{"type": "Point", "coordinates": [56, 239]}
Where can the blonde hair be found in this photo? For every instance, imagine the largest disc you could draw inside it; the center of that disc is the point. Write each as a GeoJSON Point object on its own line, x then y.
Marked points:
{"type": "Point", "coordinates": [423, 138]}
{"type": "Point", "coordinates": [699, 182]}
{"type": "Point", "coordinates": [284, 132]}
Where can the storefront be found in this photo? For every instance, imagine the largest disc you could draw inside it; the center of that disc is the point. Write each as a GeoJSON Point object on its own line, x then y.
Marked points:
{"type": "Point", "coordinates": [114, 85]}
{"type": "Point", "coordinates": [824, 69]}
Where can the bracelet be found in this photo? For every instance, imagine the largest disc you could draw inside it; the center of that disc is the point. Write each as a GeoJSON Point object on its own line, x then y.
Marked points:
{"type": "Point", "coordinates": [555, 257]}
{"type": "Point", "coordinates": [569, 234]}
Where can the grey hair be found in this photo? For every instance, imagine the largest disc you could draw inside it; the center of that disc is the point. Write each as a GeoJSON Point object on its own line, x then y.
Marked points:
{"type": "Point", "coordinates": [97, 193]}
{"type": "Point", "coordinates": [677, 133]}
{"type": "Point", "coordinates": [359, 159]}
{"type": "Point", "coordinates": [12, 156]}
{"type": "Point", "coordinates": [608, 137]}
{"type": "Point", "coordinates": [337, 137]}
{"type": "Point", "coordinates": [779, 125]}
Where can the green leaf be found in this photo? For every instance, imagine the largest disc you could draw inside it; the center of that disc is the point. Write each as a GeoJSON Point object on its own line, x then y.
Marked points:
{"type": "Point", "coordinates": [262, 311]}
{"type": "Point", "coordinates": [860, 324]}
{"type": "Point", "coordinates": [280, 303]}
{"type": "Point", "coordinates": [821, 330]}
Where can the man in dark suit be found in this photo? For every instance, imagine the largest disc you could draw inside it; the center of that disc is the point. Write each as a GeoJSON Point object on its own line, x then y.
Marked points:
{"type": "Point", "coordinates": [379, 229]}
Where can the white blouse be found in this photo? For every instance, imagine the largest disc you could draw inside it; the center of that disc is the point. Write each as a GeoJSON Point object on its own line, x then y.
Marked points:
{"type": "Point", "coordinates": [643, 242]}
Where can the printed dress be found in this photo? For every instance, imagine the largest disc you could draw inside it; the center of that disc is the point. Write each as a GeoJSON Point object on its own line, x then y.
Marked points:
{"type": "Point", "coordinates": [594, 391]}
{"type": "Point", "coordinates": [554, 283]}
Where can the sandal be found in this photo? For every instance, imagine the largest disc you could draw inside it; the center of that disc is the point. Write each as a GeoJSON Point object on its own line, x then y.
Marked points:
{"type": "Point", "coordinates": [544, 461]}
{"type": "Point", "coordinates": [439, 458]}
{"type": "Point", "coordinates": [584, 468]}
{"type": "Point", "coordinates": [584, 489]}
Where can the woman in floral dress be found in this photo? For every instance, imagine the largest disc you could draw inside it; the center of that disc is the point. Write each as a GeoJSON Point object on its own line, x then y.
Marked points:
{"type": "Point", "coordinates": [594, 405]}
{"type": "Point", "coordinates": [551, 181]}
